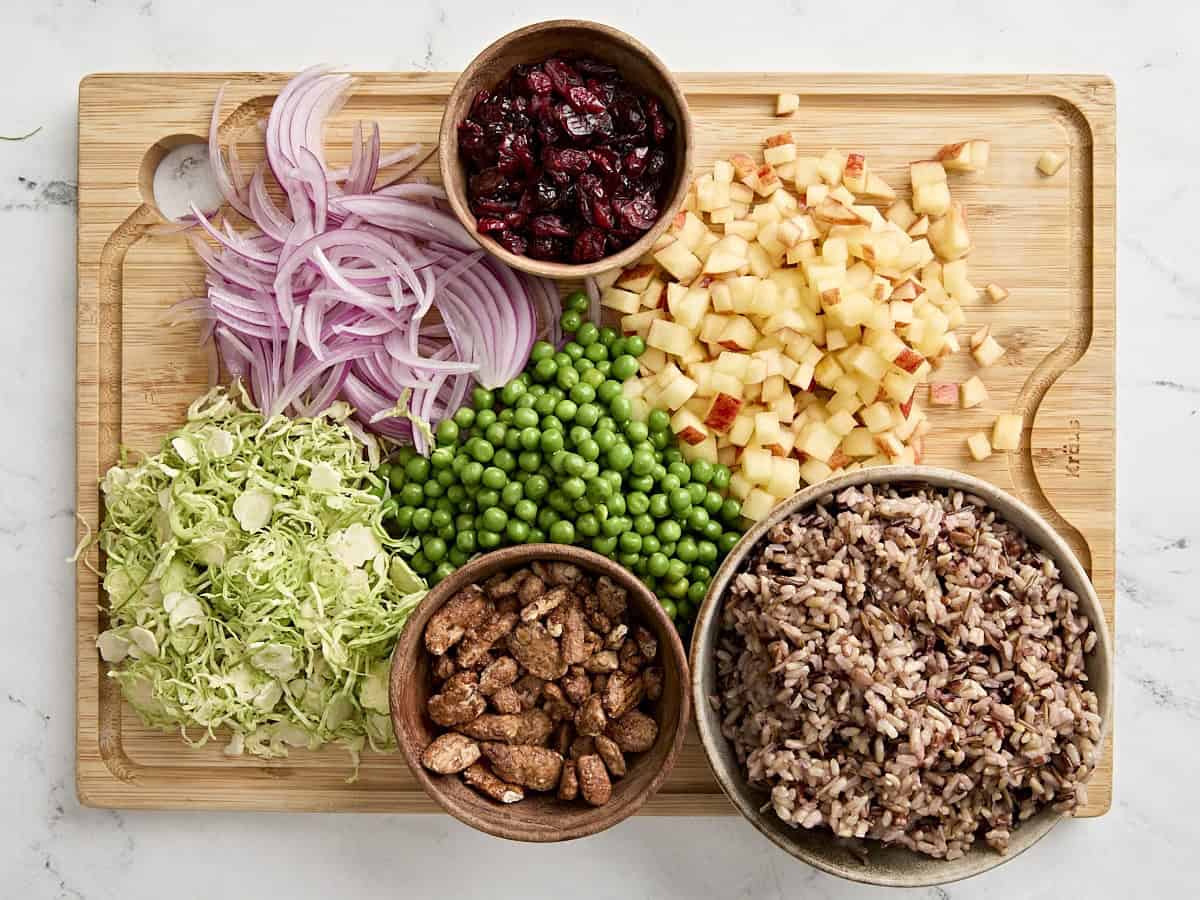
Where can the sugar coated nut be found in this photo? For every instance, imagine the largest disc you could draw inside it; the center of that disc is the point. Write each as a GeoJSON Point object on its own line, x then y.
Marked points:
{"type": "Point", "coordinates": [498, 674]}
{"type": "Point", "coordinates": [507, 700]}
{"type": "Point", "coordinates": [459, 701]}
{"type": "Point", "coordinates": [622, 693]}
{"type": "Point", "coordinates": [490, 727]}
{"type": "Point", "coordinates": [535, 727]}
{"type": "Point", "coordinates": [634, 732]}
{"type": "Point", "coordinates": [614, 759]}
{"type": "Point", "coordinates": [568, 782]}
{"type": "Point", "coordinates": [532, 767]}
{"type": "Point", "coordinates": [478, 641]}
{"type": "Point", "coordinates": [485, 781]}
{"type": "Point", "coordinates": [450, 753]}
{"type": "Point", "coordinates": [466, 609]}
{"type": "Point", "coordinates": [536, 650]}
{"type": "Point", "coordinates": [590, 719]}
{"type": "Point", "coordinates": [594, 782]}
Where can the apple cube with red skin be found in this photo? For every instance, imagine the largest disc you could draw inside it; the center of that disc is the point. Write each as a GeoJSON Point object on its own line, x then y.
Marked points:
{"type": "Point", "coordinates": [722, 412]}
{"type": "Point", "coordinates": [688, 427]}
{"type": "Point", "coordinates": [636, 279]}
{"type": "Point", "coordinates": [943, 393]}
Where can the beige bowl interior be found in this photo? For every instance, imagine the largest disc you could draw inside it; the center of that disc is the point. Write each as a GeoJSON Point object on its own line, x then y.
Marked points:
{"type": "Point", "coordinates": [868, 861]}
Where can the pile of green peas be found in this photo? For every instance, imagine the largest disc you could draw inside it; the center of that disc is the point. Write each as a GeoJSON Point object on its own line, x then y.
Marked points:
{"type": "Point", "coordinates": [556, 455]}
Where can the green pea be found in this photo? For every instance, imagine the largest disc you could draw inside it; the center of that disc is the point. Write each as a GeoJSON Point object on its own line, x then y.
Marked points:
{"type": "Point", "coordinates": [488, 540]}
{"type": "Point", "coordinates": [624, 367]}
{"type": "Point", "coordinates": [681, 471]}
{"type": "Point", "coordinates": [660, 506]}
{"type": "Point", "coordinates": [621, 409]}
{"type": "Point", "coordinates": [457, 557]}
{"type": "Point", "coordinates": [482, 451]}
{"type": "Point", "coordinates": [658, 420]}
{"type": "Point", "coordinates": [576, 301]}
{"type": "Point", "coordinates": [552, 423]}
{"type": "Point", "coordinates": [606, 423]}
{"type": "Point", "coordinates": [643, 463]}
{"type": "Point", "coordinates": [441, 518]}
{"type": "Point", "coordinates": [651, 543]}
{"type": "Point", "coordinates": [574, 350]}
{"type": "Point", "coordinates": [493, 478]}
{"type": "Point", "coordinates": [421, 564]}
{"type": "Point", "coordinates": [434, 549]}
{"type": "Point", "coordinates": [464, 417]}
{"type": "Point", "coordinates": [559, 502]}
{"type": "Point", "coordinates": [676, 570]}
{"type": "Point", "coordinates": [588, 449]}
{"type": "Point", "coordinates": [485, 418]}
{"type": "Point", "coordinates": [434, 489]}
{"type": "Point", "coordinates": [635, 345]}
{"type": "Point", "coordinates": [608, 391]}
{"type": "Point", "coordinates": [517, 531]}
{"type": "Point", "coordinates": [570, 321]}
{"type": "Point", "coordinates": [544, 405]}
{"type": "Point", "coordinates": [412, 494]}
{"type": "Point", "coordinates": [494, 518]}
{"type": "Point", "coordinates": [630, 542]}
{"type": "Point", "coordinates": [536, 486]}
{"type": "Point", "coordinates": [720, 477]}
{"type": "Point", "coordinates": [642, 483]}
{"type": "Point", "coordinates": [628, 560]}
{"type": "Point", "coordinates": [731, 511]}
{"type": "Point", "coordinates": [700, 573]}
{"type": "Point", "coordinates": [712, 531]}
{"type": "Point", "coordinates": [617, 348]}
{"type": "Point", "coordinates": [643, 524]}
{"type": "Point", "coordinates": [512, 493]}
{"type": "Point", "coordinates": [546, 518]}
{"type": "Point", "coordinates": [614, 526]}
{"type": "Point", "coordinates": [422, 518]}
{"type": "Point", "coordinates": [599, 489]}
{"type": "Point", "coordinates": [727, 541]}
{"type": "Point", "coordinates": [595, 353]}
{"type": "Point", "coordinates": [472, 473]}
{"type": "Point", "coordinates": [593, 377]}
{"type": "Point", "coordinates": [525, 416]}
{"type": "Point", "coordinates": [637, 502]}
{"type": "Point", "coordinates": [697, 519]}
{"type": "Point", "coordinates": [529, 437]}
{"type": "Point", "coordinates": [511, 391]}
{"type": "Point", "coordinates": [620, 457]}
{"type": "Point", "coordinates": [706, 552]}
{"type": "Point", "coordinates": [605, 440]}
{"type": "Point", "coordinates": [417, 468]}
{"type": "Point", "coordinates": [447, 432]}
{"type": "Point", "coordinates": [676, 588]}
{"type": "Point", "coordinates": [660, 440]}
{"type": "Point", "coordinates": [616, 504]}
{"type": "Point", "coordinates": [581, 394]}
{"type": "Point", "coordinates": [487, 497]}
{"type": "Point", "coordinates": [465, 540]}
{"type": "Point", "coordinates": [545, 369]}
{"type": "Point", "coordinates": [442, 458]}
{"type": "Point", "coordinates": [573, 464]}
{"type": "Point", "coordinates": [669, 482]}
{"type": "Point", "coordinates": [712, 502]}
{"type": "Point", "coordinates": [573, 488]}
{"type": "Point", "coordinates": [587, 333]}
{"type": "Point", "coordinates": [604, 545]}
{"type": "Point", "coordinates": [504, 459]}
{"type": "Point", "coordinates": [607, 335]}
{"type": "Point", "coordinates": [404, 517]}
{"type": "Point", "coordinates": [686, 550]}
{"type": "Point", "coordinates": [379, 490]}
{"type": "Point", "coordinates": [512, 439]}
{"type": "Point", "coordinates": [442, 571]}
{"type": "Point", "coordinates": [588, 525]}
{"type": "Point", "coordinates": [482, 398]}
{"type": "Point", "coordinates": [562, 532]}
{"type": "Point", "coordinates": [696, 592]}
{"type": "Point", "coordinates": [541, 350]}
{"type": "Point", "coordinates": [696, 492]}
{"type": "Point", "coordinates": [529, 461]}
{"type": "Point", "coordinates": [658, 565]}
{"type": "Point", "coordinates": [566, 409]}
{"type": "Point", "coordinates": [669, 531]}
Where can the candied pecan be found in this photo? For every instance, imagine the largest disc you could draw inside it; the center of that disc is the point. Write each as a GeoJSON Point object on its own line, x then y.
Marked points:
{"type": "Point", "coordinates": [614, 759]}
{"type": "Point", "coordinates": [531, 588]}
{"type": "Point", "coordinates": [534, 728]}
{"type": "Point", "coordinates": [568, 782]}
{"type": "Point", "coordinates": [450, 753]}
{"type": "Point", "coordinates": [479, 640]}
{"type": "Point", "coordinates": [582, 746]}
{"type": "Point", "coordinates": [604, 661]}
{"type": "Point", "coordinates": [652, 678]}
{"type": "Point", "coordinates": [622, 693]}
{"type": "Point", "coordinates": [492, 727]}
{"type": "Point", "coordinates": [631, 657]}
{"type": "Point", "coordinates": [599, 682]}
{"type": "Point", "coordinates": [646, 641]}
{"type": "Point", "coordinates": [459, 700]}
{"type": "Point", "coordinates": [509, 604]}
{"type": "Point", "coordinates": [531, 767]}
{"type": "Point", "coordinates": [444, 667]}
{"type": "Point", "coordinates": [505, 584]}
{"type": "Point", "coordinates": [594, 783]}
{"type": "Point", "coordinates": [557, 706]}
{"type": "Point", "coordinates": [529, 689]}
{"type": "Point", "coordinates": [576, 685]}
{"type": "Point", "coordinates": [557, 573]}
{"type": "Point", "coordinates": [544, 604]}
{"type": "Point", "coordinates": [563, 735]}
{"type": "Point", "coordinates": [498, 674]}
{"type": "Point", "coordinates": [484, 780]}
{"type": "Point", "coordinates": [634, 732]}
{"type": "Point", "coordinates": [613, 598]}
{"type": "Point", "coordinates": [575, 644]}
{"type": "Point", "coordinates": [466, 609]}
{"type": "Point", "coordinates": [507, 700]}
{"type": "Point", "coordinates": [590, 719]}
{"type": "Point", "coordinates": [537, 651]}
{"type": "Point", "coordinates": [595, 616]}
{"type": "Point", "coordinates": [616, 637]}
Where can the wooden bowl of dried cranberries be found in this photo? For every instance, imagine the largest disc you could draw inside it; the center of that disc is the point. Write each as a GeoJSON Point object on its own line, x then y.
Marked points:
{"type": "Point", "coordinates": [566, 149]}
{"type": "Point", "coordinates": [540, 693]}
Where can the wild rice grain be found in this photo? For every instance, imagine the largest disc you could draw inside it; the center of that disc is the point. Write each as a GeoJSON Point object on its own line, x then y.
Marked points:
{"type": "Point", "coordinates": [903, 665]}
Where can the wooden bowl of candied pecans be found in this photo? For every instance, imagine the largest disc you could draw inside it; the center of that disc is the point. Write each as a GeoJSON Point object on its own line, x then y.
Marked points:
{"type": "Point", "coordinates": [540, 693]}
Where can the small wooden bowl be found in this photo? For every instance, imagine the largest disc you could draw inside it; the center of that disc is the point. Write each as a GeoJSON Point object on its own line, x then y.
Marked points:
{"type": "Point", "coordinates": [865, 861]}
{"type": "Point", "coordinates": [539, 817]}
{"type": "Point", "coordinates": [536, 42]}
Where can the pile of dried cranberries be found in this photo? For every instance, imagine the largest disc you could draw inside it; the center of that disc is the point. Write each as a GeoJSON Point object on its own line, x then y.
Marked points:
{"type": "Point", "coordinates": [566, 160]}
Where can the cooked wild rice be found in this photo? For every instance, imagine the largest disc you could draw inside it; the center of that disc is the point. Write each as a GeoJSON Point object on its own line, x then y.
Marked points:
{"type": "Point", "coordinates": [903, 665]}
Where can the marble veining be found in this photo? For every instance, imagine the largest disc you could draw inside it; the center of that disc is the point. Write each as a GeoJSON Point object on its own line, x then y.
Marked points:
{"type": "Point", "coordinates": [53, 848]}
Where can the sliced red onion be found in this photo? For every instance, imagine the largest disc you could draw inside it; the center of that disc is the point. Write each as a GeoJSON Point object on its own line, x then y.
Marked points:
{"type": "Point", "coordinates": [358, 293]}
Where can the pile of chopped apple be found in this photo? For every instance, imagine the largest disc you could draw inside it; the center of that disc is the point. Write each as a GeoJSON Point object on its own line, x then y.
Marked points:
{"type": "Point", "coordinates": [789, 322]}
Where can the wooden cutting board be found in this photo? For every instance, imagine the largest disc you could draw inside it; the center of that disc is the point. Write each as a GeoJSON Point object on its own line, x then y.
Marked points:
{"type": "Point", "coordinates": [1048, 240]}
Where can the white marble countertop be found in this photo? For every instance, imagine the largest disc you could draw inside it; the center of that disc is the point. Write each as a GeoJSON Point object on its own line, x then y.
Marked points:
{"type": "Point", "coordinates": [52, 847]}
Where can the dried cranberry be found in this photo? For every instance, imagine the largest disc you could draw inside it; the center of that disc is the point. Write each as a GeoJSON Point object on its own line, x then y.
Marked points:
{"type": "Point", "coordinates": [605, 90]}
{"type": "Point", "coordinates": [548, 248]}
{"type": "Point", "coordinates": [586, 65]}
{"type": "Point", "coordinates": [658, 123]}
{"type": "Point", "coordinates": [487, 206]}
{"type": "Point", "coordinates": [584, 100]}
{"type": "Point", "coordinates": [481, 97]}
{"type": "Point", "coordinates": [604, 159]}
{"type": "Point", "coordinates": [515, 219]}
{"type": "Point", "coordinates": [488, 182]}
{"type": "Point", "coordinates": [546, 193]}
{"type": "Point", "coordinates": [634, 163]}
{"type": "Point", "coordinates": [538, 82]}
{"type": "Point", "coordinates": [488, 226]}
{"type": "Point", "coordinates": [636, 214]}
{"type": "Point", "coordinates": [628, 115]}
{"type": "Point", "coordinates": [513, 242]}
{"type": "Point", "coordinates": [562, 76]}
{"type": "Point", "coordinates": [588, 246]}
{"type": "Point", "coordinates": [656, 163]}
{"type": "Point", "coordinates": [549, 226]}
{"type": "Point", "coordinates": [565, 160]}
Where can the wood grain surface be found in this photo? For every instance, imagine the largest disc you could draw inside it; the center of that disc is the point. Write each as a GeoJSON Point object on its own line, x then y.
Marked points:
{"type": "Point", "coordinates": [1050, 241]}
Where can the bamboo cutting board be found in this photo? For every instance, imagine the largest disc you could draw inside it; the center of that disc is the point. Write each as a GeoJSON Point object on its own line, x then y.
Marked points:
{"type": "Point", "coordinates": [1048, 240]}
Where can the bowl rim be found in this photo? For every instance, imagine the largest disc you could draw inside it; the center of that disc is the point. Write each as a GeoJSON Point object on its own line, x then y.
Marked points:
{"type": "Point", "coordinates": [449, 165]}
{"type": "Point", "coordinates": [1028, 521]}
{"type": "Point", "coordinates": [600, 818]}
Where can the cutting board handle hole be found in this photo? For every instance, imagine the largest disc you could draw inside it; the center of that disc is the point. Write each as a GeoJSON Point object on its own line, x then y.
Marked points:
{"type": "Point", "coordinates": [174, 173]}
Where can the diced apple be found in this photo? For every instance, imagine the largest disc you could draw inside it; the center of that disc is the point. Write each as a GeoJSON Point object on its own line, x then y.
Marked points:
{"type": "Point", "coordinates": [949, 236]}
{"type": "Point", "coordinates": [739, 334]}
{"type": "Point", "coordinates": [815, 194]}
{"type": "Point", "coordinates": [621, 300]}
{"type": "Point", "coordinates": [1006, 433]}
{"type": "Point", "coordinates": [877, 189]}
{"type": "Point", "coordinates": [670, 337]}
{"type": "Point", "coordinates": [740, 486]}
{"type": "Point", "coordinates": [819, 441]}
{"type": "Point", "coordinates": [756, 464]}
{"type": "Point", "coordinates": [859, 443]}
{"type": "Point", "coordinates": [926, 172]}
{"type": "Point", "coordinates": [785, 477]}
{"type": "Point", "coordinates": [830, 167]}
{"type": "Point", "coordinates": [723, 411]}
{"type": "Point", "coordinates": [979, 446]}
{"type": "Point", "coordinates": [758, 505]}
{"type": "Point", "coordinates": [877, 417]}
{"type": "Point", "coordinates": [973, 392]}
{"type": "Point", "coordinates": [854, 172]}
{"type": "Point", "coordinates": [779, 149]}
{"type": "Point", "coordinates": [996, 293]}
{"type": "Point", "coordinates": [727, 255]}
{"type": "Point", "coordinates": [742, 430]}
{"type": "Point", "coordinates": [786, 104]}
{"type": "Point", "coordinates": [981, 152]}
{"type": "Point", "coordinates": [678, 392]}
{"type": "Point", "coordinates": [813, 471]}
{"type": "Point", "coordinates": [943, 393]}
{"type": "Point", "coordinates": [654, 295]}
{"type": "Point", "coordinates": [639, 322]}
{"type": "Point", "coordinates": [955, 157]}
{"type": "Point", "coordinates": [919, 227]}
{"type": "Point", "coordinates": [988, 353]}
{"type": "Point", "coordinates": [901, 214]}
{"type": "Point", "coordinates": [1050, 162]}
{"type": "Point", "coordinates": [677, 259]}
{"type": "Point", "coordinates": [931, 199]}
{"type": "Point", "coordinates": [890, 444]}
{"type": "Point", "coordinates": [688, 427]}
